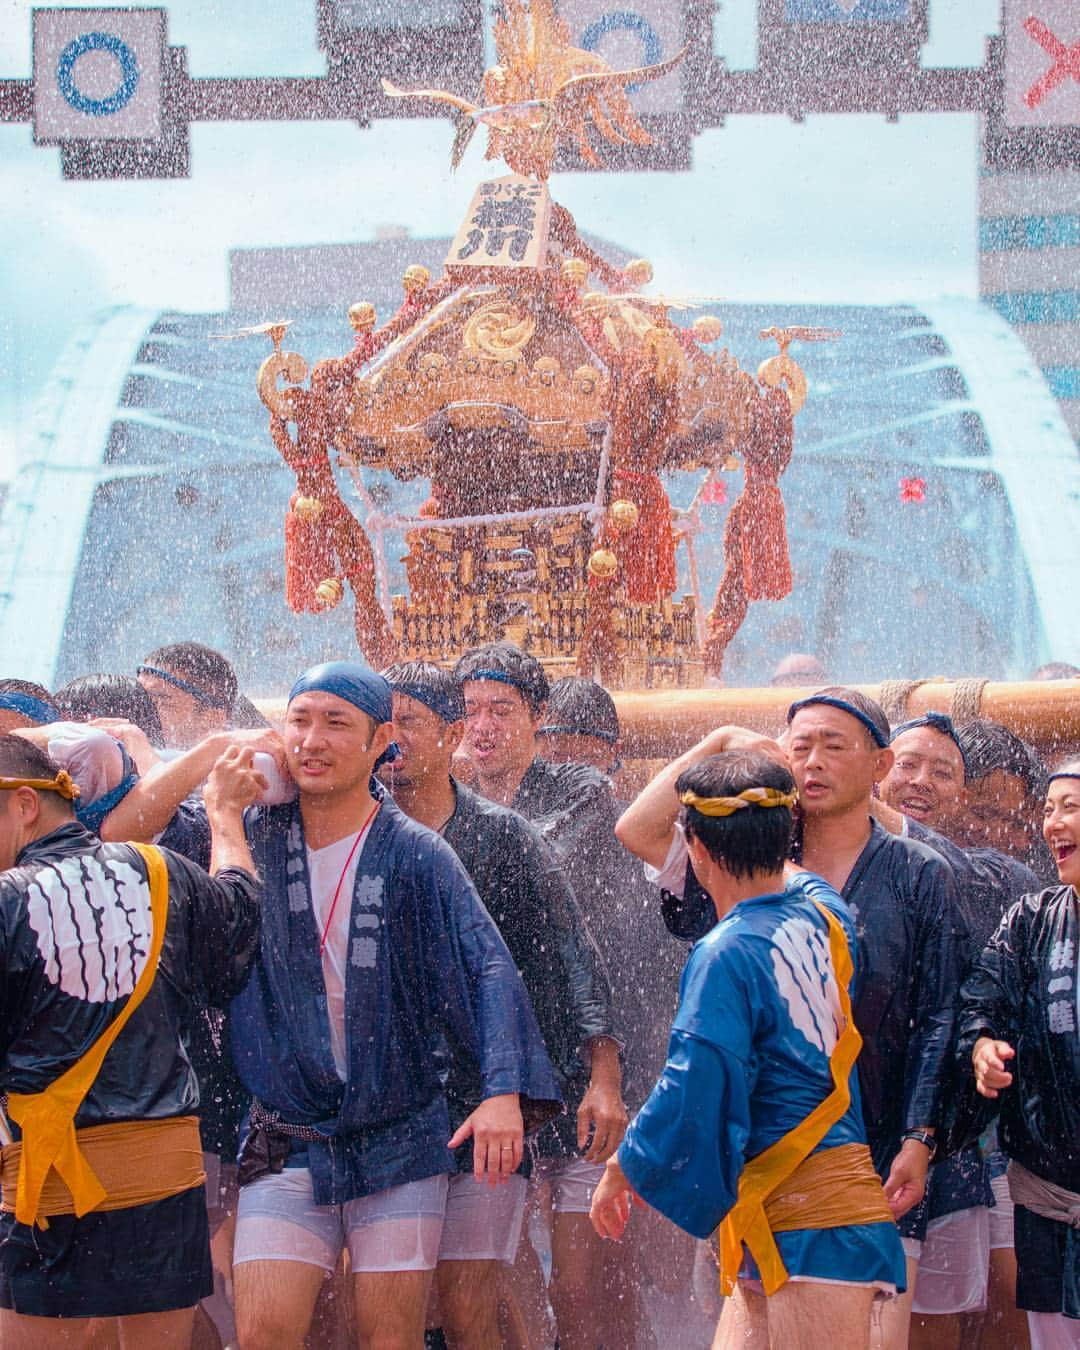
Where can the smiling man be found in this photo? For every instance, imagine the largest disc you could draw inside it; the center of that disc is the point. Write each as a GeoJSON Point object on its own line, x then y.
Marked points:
{"type": "Point", "coordinates": [376, 951]}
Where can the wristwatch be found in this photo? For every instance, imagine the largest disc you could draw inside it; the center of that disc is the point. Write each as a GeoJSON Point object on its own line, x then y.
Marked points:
{"type": "Point", "coordinates": [923, 1137]}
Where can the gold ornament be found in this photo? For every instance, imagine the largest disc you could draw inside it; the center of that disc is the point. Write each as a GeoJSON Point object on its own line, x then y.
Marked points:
{"type": "Point", "coordinates": [638, 271]}
{"type": "Point", "coordinates": [575, 271]}
{"type": "Point", "coordinates": [501, 328]}
{"type": "Point", "coordinates": [362, 316]}
{"type": "Point", "coordinates": [546, 370]}
{"type": "Point", "coordinates": [603, 564]}
{"type": "Point", "coordinates": [783, 370]}
{"type": "Point", "coordinates": [586, 378]}
{"type": "Point", "coordinates": [415, 279]}
{"type": "Point", "coordinates": [329, 592]}
{"type": "Point", "coordinates": [624, 515]}
{"type": "Point", "coordinates": [308, 509]}
{"type": "Point", "coordinates": [731, 463]}
{"type": "Point", "coordinates": [707, 329]}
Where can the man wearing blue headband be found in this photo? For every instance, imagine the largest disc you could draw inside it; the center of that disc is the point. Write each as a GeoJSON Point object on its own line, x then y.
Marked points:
{"type": "Point", "coordinates": [194, 689]}
{"type": "Point", "coordinates": [967, 1241]}
{"type": "Point", "coordinates": [25, 704]}
{"type": "Point", "coordinates": [573, 806]}
{"type": "Point", "coordinates": [375, 953]}
{"type": "Point", "coordinates": [527, 894]}
{"type": "Point", "coordinates": [910, 930]}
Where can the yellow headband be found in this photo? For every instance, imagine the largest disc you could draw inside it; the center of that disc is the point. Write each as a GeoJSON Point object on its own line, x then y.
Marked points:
{"type": "Point", "coordinates": [62, 784]}
{"type": "Point", "coordinates": [727, 806]}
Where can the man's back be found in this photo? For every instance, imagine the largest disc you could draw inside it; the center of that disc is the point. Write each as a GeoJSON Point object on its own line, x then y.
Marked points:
{"type": "Point", "coordinates": [75, 925]}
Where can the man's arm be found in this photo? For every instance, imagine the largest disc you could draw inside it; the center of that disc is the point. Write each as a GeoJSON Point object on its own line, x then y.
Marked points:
{"type": "Point", "coordinates": [154, 800]}
{"type": "Point", "coordinates": [647, 825]}
{"type": "Point", "coordinates": [223, 913]}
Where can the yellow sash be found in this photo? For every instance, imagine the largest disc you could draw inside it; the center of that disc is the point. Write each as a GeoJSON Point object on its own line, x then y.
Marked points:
{"type": "Point", "coordinates": [47, 1118]}
{"type": "Point", "coordinates": [746, 1221]}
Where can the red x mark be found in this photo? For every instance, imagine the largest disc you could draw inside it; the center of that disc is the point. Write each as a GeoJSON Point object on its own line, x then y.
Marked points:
{"type": "Point", "coordinates": [1066, 61]}
{"type": "Point", "coordinates": [715, 493]}
{"type": "Point", "coordinates": [913, 489]}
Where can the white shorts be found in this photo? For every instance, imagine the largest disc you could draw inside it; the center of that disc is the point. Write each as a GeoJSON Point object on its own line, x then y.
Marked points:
{"type": "Point", "coordinates": [912, 1248]}
{"type": "Point", "coordinates": [483, 1223]}
{"type": "Point", "coordinates": [572, 1182]}
{"type": "Point", "coordinates": [1053, 1331]}
{"type": "Point", "coordinates": [1001, 1216]}
{"type": "Point", "coordinates": [397, 1229]}
{"type": "Point", "coordinates": [955, 1264]}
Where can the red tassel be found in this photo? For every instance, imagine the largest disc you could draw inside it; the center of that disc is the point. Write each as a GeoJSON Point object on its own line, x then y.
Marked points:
{"type": "Point", "coordinates": [309, 559]}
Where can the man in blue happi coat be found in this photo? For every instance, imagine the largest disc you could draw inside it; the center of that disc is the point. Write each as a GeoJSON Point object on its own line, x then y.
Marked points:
{"type": "Point", "coordinates": [755, 1123]}
{"type": "Point", "coordinates": [376, 958]}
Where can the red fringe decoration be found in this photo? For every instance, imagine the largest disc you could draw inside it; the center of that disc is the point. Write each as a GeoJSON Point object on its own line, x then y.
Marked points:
{"type": "Point", "coordinates": [757, 564]}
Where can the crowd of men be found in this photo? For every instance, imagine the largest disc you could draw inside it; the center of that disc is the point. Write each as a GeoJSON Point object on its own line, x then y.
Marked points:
{"type": "Point", "coordinates": [371, 1027]}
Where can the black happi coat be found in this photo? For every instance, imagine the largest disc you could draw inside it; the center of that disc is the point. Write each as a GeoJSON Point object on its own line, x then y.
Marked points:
{"type": "Point", "coordinates": [74, 917]}
{"type": "Point", "coordinates": [1023, 990]}
{"type": "Point", "coordinates": [574, 808]}
{"type": "Point", "coordinates": [525, 892]}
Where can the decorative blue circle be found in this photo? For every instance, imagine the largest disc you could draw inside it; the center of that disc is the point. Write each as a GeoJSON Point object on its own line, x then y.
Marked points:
{"type": "Point", "coordinates": [129, 73]}
{"type": "Point", "coordinates": [625, 19]}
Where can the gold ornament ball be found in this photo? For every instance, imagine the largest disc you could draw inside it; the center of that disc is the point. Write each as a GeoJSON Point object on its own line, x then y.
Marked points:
{"type": "Point", "coordinates": [329, 592]}
{"type": "Point", "coordinates": [639, 271]}
{"type": "Point", "coordinates": [575, 271]}
{"type": "Point", "coordinates": [362, 316]}
{"type": "Point", "coordinates": [603, 564]}
{"type": "Point", "coordinates": [416, 278]}
{"type": "Point", "coordinates": [624, 515]}
{"type": "Point", "coordinates": [707, 329]}
{"type": "Point", "coordinates": [308, 509]}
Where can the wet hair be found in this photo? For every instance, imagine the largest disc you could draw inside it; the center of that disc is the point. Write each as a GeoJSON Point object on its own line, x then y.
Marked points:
{"type": "Point", "coordinates": [863, 709]}
{"type": "Point", "coordinates": [988, 748]}
{"type": "Point", "coordinates": [204, 668]}
{"type": "Point", "coordinates": [580, 707]}
{"type": "Point", "coordinates": [429, 684]}
{"type": "Point", "coordinates": [506, 662]}
{"type": "Point", "coordinates": [27, 687]}
{"type": "Point", "coordinates": [936, 721]}
{"type": "Point", "coordinates": [246, 716]}
{"type": "Point", "coordinates": [1068, 768]}
{"type": "Point", "coordinates": [1056, 670]}
{"type": "Point", "coordinates": [20, 758]}
{"type": "Point", "coordinates": [111, 696]}
{"type": "Point", "coordinates": [753, 839]}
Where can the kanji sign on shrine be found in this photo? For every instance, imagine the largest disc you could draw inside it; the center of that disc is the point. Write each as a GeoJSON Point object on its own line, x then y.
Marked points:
{"type": "Point", "coordinates": [506, 227]}
{"type": "Point", "coordinates": [1042, 63]}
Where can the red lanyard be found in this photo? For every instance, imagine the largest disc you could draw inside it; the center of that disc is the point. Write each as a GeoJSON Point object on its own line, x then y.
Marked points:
{"type": "Point", "coordinates": [341, 879]}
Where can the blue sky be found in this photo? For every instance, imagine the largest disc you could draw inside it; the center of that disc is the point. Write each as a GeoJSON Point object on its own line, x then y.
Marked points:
{"type": "Point", "coordinates": [836, 209]}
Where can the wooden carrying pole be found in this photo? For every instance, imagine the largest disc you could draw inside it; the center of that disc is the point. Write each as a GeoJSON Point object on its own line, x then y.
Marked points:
{"type": "Point", "coordinates": [660, 724]}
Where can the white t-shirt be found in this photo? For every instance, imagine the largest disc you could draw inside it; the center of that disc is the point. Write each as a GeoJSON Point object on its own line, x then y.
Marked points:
{"type": "Point", "coordinates": [672, 876]}
{"type": "Point", "coordinates": [325, 867]}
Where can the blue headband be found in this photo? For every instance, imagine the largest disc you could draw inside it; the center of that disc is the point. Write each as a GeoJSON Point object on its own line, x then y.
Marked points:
{"type": "Point", "coordinates": [26, 705]}
{"type": "Point", "coordinates": [938, 722]}
{"type": "Point", "coordinates": [609, 736]}
{"type": "Point", "coordinates": [500, 675]}
{"type": "Point", "coordinates": [211, 700]}
{"type": "Point", "coordinates": [449, 706]}
{"type": "Point", "coordinates": [356, 684]}
{"type": "Point", "coordinates": [1063, 774]}
{"type": "Point", "coordinates": [878, 736]}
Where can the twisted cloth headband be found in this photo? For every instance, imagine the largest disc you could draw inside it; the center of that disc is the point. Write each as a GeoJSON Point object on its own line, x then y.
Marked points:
{"type": "Point", "coordinates": [62, 783]}
{"type": "Point", "coordinates": [727, 806]}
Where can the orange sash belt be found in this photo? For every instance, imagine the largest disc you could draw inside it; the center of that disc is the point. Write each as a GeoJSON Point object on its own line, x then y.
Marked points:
{"type": "Point", "coordinates": [47, 1118]}
{"type": "Point", "coordinates": [135, 1162]}
{"type": "Point", "coordinates": [831, 1189]}
{"type": "Point", "coordinates": [747, 1221]}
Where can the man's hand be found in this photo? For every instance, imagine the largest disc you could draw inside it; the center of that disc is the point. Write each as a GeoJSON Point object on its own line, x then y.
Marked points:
{"type": "Point", "coordinates": [727, 738]}
{"type": "Point", "coordinates": [261, 738]}
{"type": "Point", "coordinates": [134, 740]}
{"type": "Point", "coordinates": [611, 1202]}
{"type": "Point", "coordinates": [498, 1135]}
{"type": "Point", "coordinates": [601, 1121]}
{"type": "Point", "coordinates": [989, 1058]}
{"type": "Point", "coordinates": [233, 784]}
{"type": "Point", "coordinates": [905, 1185]}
